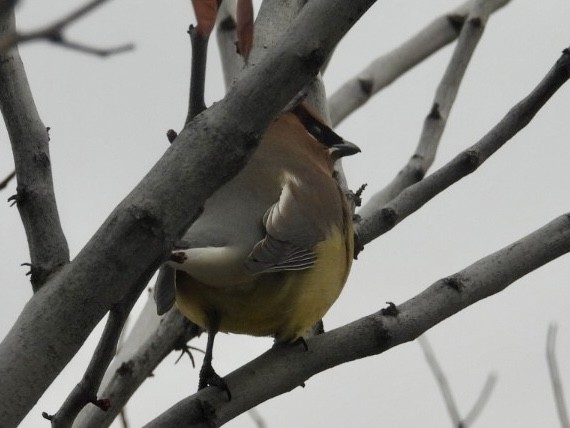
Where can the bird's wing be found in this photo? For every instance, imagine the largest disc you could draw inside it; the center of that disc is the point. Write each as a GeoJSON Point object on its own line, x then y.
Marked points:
{"type": "Point", "coordinates": [290, 235]}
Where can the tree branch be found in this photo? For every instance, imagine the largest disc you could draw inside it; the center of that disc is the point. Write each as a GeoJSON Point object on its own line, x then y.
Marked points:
{"type": "Point", "coordinates": [7, 180]}
{"type": "Point", "coordinates": [380, 220]}
{"type": "Point", "coordinates": [137, 236]}
{"type": "Point", "coordinates": [54, 33]}
{"type": "Point", "coordinates": [445, 389]}
{"type": "Point", "coordinates": [441, 380]}
{"type": "Point", "coordinates": [280, 370]}
{"type": "Point", "coordinates": [482, 400]}
{"type": "Point", "coordinates": [232, 62]}
{"type": "Point", "coordinates": [85, 391]}
{"type": "Point", "coordinates": [196, 103]}
{"type": "Point", "coordinates": [135, 367]}
{"type": "Point", "coordinates": [555, 376]}
{"type": "Point", "coordinates": [435, 121]}
{"type": "Point", "coordinates": [30, 146]}
{"type": "Point", "coordinates": [387, 68]}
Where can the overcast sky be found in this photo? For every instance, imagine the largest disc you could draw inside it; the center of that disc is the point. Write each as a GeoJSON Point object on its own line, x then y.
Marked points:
{"type": "Point", "coordinates": [108, 120]}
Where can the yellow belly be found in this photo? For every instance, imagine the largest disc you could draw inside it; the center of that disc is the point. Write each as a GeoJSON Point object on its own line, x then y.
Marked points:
{"type": "Point", "coordinates": [282, 304]}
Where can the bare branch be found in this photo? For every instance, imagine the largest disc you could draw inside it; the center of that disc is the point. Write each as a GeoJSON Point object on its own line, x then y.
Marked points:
{"type": "Point", "coordinates": [196, 102]}
{"type": "Point", "coordinates": [435, 121]}
{"type": "Point", "coordinates": [79, 47]}
{"type": "Point", "coordinates": [7, 180]}
{"type": "Point", "coordinates": [129, 374]}
{"type": "Point", "coordinates": [85, 391]}
{"type": "Point", "coordinates": [414, 197]}
{"type": "Point", "coordinates": [257, 418]}
{"type": "Point", "coordinates": [280, 370]}
{"type": "Point", "coordinates": [54, 33]}
{"type": "Point", "coordinates": [387, 68]}
{"type": "Point", "coordinates": [441, 380]}
{"type": "Point", "coordinates": [445, 389]}
{"type": "Point", "coordinates": [232, 62]}
{"type": "Point", "coordinates": [481, 400]}
{"type": "Point", "coordinates": [30, 145]}
{"type": "Point", "coordinates": [555, 376]}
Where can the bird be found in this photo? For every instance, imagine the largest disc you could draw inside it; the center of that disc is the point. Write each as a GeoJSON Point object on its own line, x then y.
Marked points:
{"type": "Point", "coordinates": [273, 247]}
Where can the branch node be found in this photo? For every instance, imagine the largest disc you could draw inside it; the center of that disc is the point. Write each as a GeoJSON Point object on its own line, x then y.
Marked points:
{"type": "Point", "coordinates": [390, 311]}
{"type": "Point", "coordinates": [454, 282]}
{"type": "Point", "coordinates": [47, 416]}
{"type": "Point", "coordinates": [171, 134]}
{"type": "Point", "coordinates": [147, 220]}
{"type": "Point", "coordinates": [456, 21]}
{"type": "Point", "coordinates": [366, 85]}
{"type": "Point", "coordinates": [389, 217]}
{"type": "Point", "coordinates": [470, 159]}
{"type": "Point", "coordinates": [476, 22]}
{"type": "Point", "coordinates": [314, 60]}
{"type": "Point", "coordinates": [19, 197]}
{"type": "Point", "coordinates": [228, 24]}
{"type": "Point", "coordinates": [126, 369]}
{"type": "Point", "coordinates": [434, 113]}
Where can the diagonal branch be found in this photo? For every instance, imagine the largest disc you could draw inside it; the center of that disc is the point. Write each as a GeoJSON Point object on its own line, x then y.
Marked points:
{"type": "Point", "coordinates": [54, 33]}
{"type": "Point", "coordinates": [280, 370]}
{"type": "Point", "coordinates": [482, 400]}
{"type": "Point", "coordinates": [387, 68]}
{"type": "Point", "coordinates": [30, 145]}
{"type": "Point", "coordinates": [445, 389]}
{"type": "Point", "coordinates": [435, 121]}
{"type": "Point", "coordinates": [196, 103]}
{"type": "Point", "coordinates": [441, 380]}
{"type": "Point", "coordinates": [85, 391]}
{"type": "Point", "coordinates": [128, 374]}
{"type": "Point", "coordinates": [379, 221]}
{"type": "Point", "coordinates": [7, 180]}
{"type": "Point", "coordinates": [555, 376]}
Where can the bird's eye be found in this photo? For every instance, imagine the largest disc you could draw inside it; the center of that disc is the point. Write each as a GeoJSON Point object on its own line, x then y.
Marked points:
{"type": "Point", "coordinates": [316, 131]}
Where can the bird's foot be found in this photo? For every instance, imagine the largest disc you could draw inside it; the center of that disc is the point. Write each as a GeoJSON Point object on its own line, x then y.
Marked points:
{"type": "Point", "coordinates": [208, 377]}
{"type": "Point", "coordinates": [299, 341]}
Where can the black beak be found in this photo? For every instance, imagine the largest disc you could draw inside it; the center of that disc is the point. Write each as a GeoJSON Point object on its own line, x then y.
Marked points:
{"type": "Point", "coordinates": [342, 149]}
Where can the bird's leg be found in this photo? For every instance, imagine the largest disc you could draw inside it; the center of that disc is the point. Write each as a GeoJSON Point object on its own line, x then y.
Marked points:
{"type": "Point", "coordinates": [208, 376]}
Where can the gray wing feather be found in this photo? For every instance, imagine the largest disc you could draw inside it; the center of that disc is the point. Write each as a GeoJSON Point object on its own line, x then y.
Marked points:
{"type": "Point", "coordinates": [290, 235]}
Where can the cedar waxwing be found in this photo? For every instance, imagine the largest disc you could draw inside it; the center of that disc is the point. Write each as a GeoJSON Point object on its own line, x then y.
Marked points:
{"type": "Point", "coordinates": [273, 247]}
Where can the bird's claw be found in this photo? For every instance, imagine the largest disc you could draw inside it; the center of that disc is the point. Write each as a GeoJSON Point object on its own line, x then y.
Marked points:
{"type": "Point", "coordinates": [208, 377]}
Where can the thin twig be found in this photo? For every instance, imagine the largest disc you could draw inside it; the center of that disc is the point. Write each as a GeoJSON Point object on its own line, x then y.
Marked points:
{"type": "Point", "coordinates": [555, 376]}
{"type": "Point", "coordinates": [90, 50]}
{"type": "Point", "coordinates": [481, 401]}
{"type": "Point", "coordinates": [436, 119]}
{"type": "Point", "coordinates": [257, 418]}
{"type": "Point", "coordinates": [281, 370]}
{"type": "Point", "coordinates": [125, 380]}
{"type": "Point", "coordinates": [441, 380]}
{"type": "Point", "coordinates": [85, 391]}
{"type": "Point", "coordinates": [387, 68]}
{"type": "Point", "coordinates": [7, 180]}
{"type": "Point", "coordinates": [53, 32]}
{"type": "Point", "coordinates": [196, 103]}
{"type": "Point", "coordinates": [414, 197]}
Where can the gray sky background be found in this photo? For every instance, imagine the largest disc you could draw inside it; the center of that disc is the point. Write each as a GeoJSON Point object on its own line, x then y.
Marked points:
{"type": "Point", "coordinates": [108, 120]}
